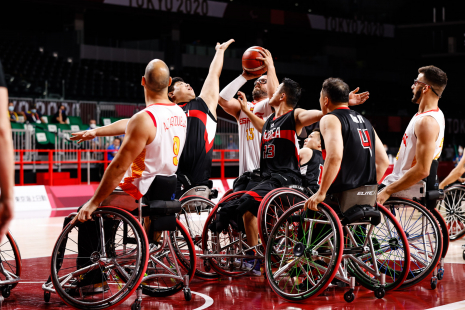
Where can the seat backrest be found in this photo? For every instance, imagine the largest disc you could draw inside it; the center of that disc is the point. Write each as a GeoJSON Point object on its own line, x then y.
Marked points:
{"type": "Point", "coordinates": [162, 188]}
{"type": "Point", "coordinates": [361, 196]}
{"type": "Point", "coordinates": [201, 190]}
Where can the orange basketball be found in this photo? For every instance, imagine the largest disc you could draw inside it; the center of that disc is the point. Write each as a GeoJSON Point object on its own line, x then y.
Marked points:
{"type": "Point", "coordinates": [250, 62]}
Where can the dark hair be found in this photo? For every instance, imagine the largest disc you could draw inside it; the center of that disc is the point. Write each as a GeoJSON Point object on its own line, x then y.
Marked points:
{"type": "Point", "coordinates": [117, 139]}
{"type": "Point", "coordinates": [435, 77]}
{"type": "Point", "coordinates": [321, 138]}
{"type": "Point", "coordinates": [173, 83]}
{"type": "Point", "coordinates": [336, 90]}
{"type": "Point", "coordinates": [292, 90]}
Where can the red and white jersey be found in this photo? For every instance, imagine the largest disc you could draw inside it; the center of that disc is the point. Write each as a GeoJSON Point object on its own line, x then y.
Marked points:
{"type": "Point", "coordinates": [161, 156]}
{"type": "Point", "coordinates": [406, 158]}
{"type": "Point", "coordinates": [249, 137]}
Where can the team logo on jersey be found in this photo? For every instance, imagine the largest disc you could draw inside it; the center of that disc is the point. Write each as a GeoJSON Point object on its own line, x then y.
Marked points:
{"type": "Point", "coordinates": [272, 125]}
{"type": "Point", "coordinates": [365, 139]}
{"type": "Point", "coordinates": [251, 109]}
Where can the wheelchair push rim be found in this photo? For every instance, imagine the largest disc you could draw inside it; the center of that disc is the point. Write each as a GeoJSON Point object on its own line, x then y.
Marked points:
{"type": "Point", "coordinates": [10, 258]}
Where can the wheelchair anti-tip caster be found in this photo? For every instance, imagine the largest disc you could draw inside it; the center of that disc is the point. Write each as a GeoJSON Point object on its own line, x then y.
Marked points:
{"type": "Point", "coordinates": [349, 296]}
{"type": "Point", "coordinates": [380, 292]}
{"type": "Point", "coordinates": [47, 296]}
{"type": "Point", "coordinates": [6, 290]}
{"type": "Point", "coordinates": [187, 294]}
{"type": "Point", "coordinates": [463, 255]}
{"type": "Point", "coordinates": [136, 305]}
{"type": "Point", "coordinates": [434, 282]}
{"type": "Point", "coordinates": [440, 273]}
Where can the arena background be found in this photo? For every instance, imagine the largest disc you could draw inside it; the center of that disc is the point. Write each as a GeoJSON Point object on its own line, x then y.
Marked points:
{"type": "Point", "coordinates": [90, 55]}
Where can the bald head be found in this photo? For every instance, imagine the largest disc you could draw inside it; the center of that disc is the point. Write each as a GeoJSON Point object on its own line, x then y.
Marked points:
{"type": "Point", "coordinates": [157, 76]}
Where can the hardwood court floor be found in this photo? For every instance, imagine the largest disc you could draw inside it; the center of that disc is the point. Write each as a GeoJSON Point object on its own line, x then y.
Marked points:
{"type": "Point", "coordinates": [36, 238]}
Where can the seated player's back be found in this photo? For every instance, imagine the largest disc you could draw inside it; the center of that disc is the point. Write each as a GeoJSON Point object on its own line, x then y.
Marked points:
{"type": "Point", "coordinates": [358, 165]}
{"type": "Point", "coordinates": [161, 156]}
{"type": "Point", "coordinates": [197, 158]}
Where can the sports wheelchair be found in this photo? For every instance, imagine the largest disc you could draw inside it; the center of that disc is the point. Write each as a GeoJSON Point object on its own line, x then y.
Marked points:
{"type": "Point", "coordinates": [452, 208]}
{"type": "Point", "coordinates": [10, 266]}
{"type": "Point", "coordinates": [196, 205]}
{"type": "Point", "coordinates": [350, 238]}
{"type": "Point", "coordinates": [99, 263]}
{"type": "Point", "coordinates": [426, 231]}
{"type": "Point", "coordinates": [226, 251]}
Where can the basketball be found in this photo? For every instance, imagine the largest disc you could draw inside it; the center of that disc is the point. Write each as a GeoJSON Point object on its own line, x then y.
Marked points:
{"type": "Point", "coordinates": [250, 62]}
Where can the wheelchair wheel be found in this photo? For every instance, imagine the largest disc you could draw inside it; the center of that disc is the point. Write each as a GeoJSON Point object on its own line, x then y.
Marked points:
{"type": "Point", "coordinates": [162, 262]}
{"type": "Point", "coordinates": [114, 267]}
{"type": "Point", "coordinates": [195, 210]}
{"type": "Point", "coordinates": [273, 205]}
{"type": "Point", "coordinates": [388, 252]}
{"type": "Point", "coordinates": [444, 231]}
{"type": "Point", "coordinates": [224, 243]}
{"type": "Point", "coordinates": [452, 209]}
{"type": "Point", "coordinates": [10, 259]}
{"type": "Point", "coordinates": [304, 252]}
{"type": "Point", "coordinates": [423, 234]}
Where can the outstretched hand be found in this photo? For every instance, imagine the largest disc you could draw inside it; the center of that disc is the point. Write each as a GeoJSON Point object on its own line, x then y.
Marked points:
{"type": "Point", "coordinates": [266, 58]}
{"type": "Point", "coordinates": [249, 75]}
{"type": "Point", "coordinates": [81, 136]}
{"type": "Point", "coordinates": [356, 99]}
{"type": "Point", "coordinates": [242, 100]}
{"type": "Point", "coordinates": [223, 46]}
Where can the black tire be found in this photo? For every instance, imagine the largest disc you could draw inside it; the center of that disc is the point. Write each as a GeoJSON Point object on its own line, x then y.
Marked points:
{"type": "Point", "coordinates": [316, 262]}
{"type": "Point", "coordinates": [184, 255]}
{"type": "Point", "coordinates": [440, 274]}
{"type": "Point", "coordinates": [134, 255]}
{"type": "Point", "coordinates": [6, 291]}
{"type": "Point", "coordinates": [411, 216]}
{"type": "Point", "coordinates": [379, 293]}
{"type": "Point", "coordinates": [192, 221]}
{"type": "Point", "coordinates": [434, 283]}
{"type": "Point", "coordinates": [349, 296]}
{"type": "Point", "coordinates": [47, 296]}
{"type": "Point", "coordinates": [391, 249]}
{"type": "Point", "coordinates": [136, 305]}
{"type": "Point", "coordinates": [187, 294]}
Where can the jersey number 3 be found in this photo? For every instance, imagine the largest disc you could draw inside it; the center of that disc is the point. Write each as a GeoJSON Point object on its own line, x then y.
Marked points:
{"type": "Point", "coordinates": [176, 145]}
{"type": "Point", "coordinates": [268, 151]}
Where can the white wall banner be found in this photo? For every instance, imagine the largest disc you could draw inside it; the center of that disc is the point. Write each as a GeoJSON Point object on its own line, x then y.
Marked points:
{"type": "Point", "coordinates": [31, 201]}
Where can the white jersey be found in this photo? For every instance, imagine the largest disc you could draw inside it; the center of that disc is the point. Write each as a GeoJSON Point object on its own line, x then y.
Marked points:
{"type": "Point", "coordinates": [406, 158]}
{"type": "Point", "coordinates": [249, 138]}
{"type": "Point", "coordinates": [161, 156]}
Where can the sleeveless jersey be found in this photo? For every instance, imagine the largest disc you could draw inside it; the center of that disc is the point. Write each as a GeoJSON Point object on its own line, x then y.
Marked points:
{"type": "Point", "coordinates": [196, 160]}
{"type": "Point", "coordinates": [313, 169]}
{"type": "Point", "coordinates": [358, 165]}
{"type": "Point", "coordinates": [405, 158]}
{"type": "Point", "coordinates": [249, 138]}
{"type": "Point", "coordinates": [161, 156]}
{"type": "Point", "coordinates": [279, 147]}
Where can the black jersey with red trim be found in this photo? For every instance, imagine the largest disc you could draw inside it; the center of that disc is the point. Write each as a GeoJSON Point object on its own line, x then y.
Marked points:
{"type": "Point", "coordinates": [279, 151]}
{"type": "Point", "coordinates": [358, 165]}
{"type": "Point", "coordinates": [196, 158]}
{"type": "Point", "coordinates": [313, 169]}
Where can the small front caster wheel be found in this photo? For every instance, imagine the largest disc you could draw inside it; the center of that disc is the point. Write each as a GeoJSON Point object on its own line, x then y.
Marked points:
{"type": "Point", "coordinates": [47, 296]}
{"type": "Point", "coordinates": [380, 292]}
{"type": "Point", "coordinates": [349, 296]}
{"type": "Point", "coordinates": [136, 305]}
{"type": "Point", "coordinates": [6, 290]}
{"type": "Point", "coordinates": [434, 283]}
{"type": "Point", "coordinates": [187, 294]}
{"type": "Point", "coordinates": [441, 273]}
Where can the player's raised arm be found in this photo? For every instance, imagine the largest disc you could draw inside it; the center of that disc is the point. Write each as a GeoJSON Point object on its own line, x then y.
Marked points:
{"type": "Point", "coordinates": [305, 118]}
{"type": "Point", "coordinates": [257, 122]}
{"type": "Point", "coordinates": [211, 87]}
{"type": "Point", "coordinates": [273, 82]}
{"type": "Point", "coordinates": [427, 131]}
{"type": "Point", "coordinates": [227, 101]}
{"type": "Point", "coordinates": [140, 132]}
{"type": "Point", "coordinates": [115, 129]}
{"type": "Point", "coordinates": [381, 158]}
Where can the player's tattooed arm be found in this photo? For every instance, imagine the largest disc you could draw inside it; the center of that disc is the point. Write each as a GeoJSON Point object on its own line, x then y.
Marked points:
{"type": "Point", "coordinates": [116, 129]}
{"type": "Point", "coordinates": [455, 174]}
{"type": "Point", "coordinates": [257, 122]}
{"type": "Point", "coordinates": [211, 87]}
{"type": "Point", "coordinates": [272, 82]}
